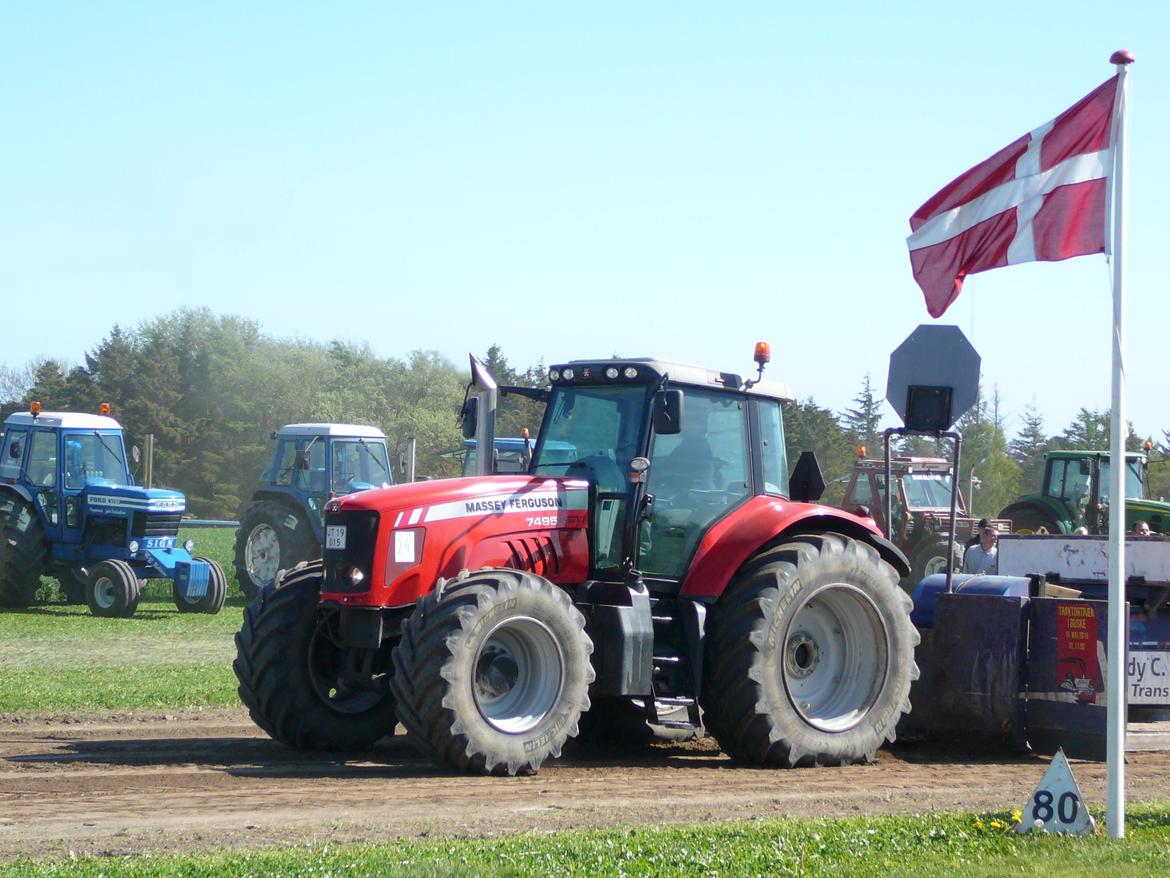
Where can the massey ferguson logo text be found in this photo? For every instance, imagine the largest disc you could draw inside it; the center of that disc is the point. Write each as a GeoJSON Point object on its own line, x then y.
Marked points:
{"type": "Point", "coordinates": [514, 504]}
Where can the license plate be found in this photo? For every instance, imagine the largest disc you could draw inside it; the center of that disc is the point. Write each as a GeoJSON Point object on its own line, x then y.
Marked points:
{"type": "Point", "coordinates": [335, 536]}
{"type": "Point", "coordinates": [1149, 677]}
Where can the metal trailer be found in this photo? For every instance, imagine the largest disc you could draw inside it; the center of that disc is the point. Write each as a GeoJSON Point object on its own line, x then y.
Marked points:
{"type": "Point", "coordinates": [1020, 657]}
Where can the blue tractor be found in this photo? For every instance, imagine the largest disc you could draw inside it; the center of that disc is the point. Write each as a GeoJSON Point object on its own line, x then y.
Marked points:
{"type": "Point", "coordinates": [311, 463]}
{"type": "Point", "coordinates": [69, 508]}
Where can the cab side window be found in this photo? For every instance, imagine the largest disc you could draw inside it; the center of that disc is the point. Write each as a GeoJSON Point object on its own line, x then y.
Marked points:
{"type": "Point", "coordinates": [12, 453]}
{"type": "Point", "coordinates": [772, 448]}
{"type": "Point", "coordinates": [42, 459]}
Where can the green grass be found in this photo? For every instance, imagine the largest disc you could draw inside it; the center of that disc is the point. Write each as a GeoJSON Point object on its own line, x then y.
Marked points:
{"type": "Point", "coordinates": [55, 657]}
{"type": "Point", "coordinates": [954, 844]}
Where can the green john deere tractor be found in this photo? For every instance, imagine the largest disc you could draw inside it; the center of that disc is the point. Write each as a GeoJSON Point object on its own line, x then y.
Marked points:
{"type": "Point", "coordinates": [1075, 494]}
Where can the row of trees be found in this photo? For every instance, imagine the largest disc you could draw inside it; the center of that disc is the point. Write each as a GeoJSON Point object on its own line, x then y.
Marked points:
{"type": "Point", "coordinates": [213, 389]}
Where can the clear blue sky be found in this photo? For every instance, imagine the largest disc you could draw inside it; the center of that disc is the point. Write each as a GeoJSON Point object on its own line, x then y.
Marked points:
{"type": "Point", "coordinates": [669, 179]}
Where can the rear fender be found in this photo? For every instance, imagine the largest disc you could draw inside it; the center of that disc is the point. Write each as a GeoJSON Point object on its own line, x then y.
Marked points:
{"type": "Point", "coordinates": [19, 490]}
{"type": "Point", "coordinates": [763, 522]}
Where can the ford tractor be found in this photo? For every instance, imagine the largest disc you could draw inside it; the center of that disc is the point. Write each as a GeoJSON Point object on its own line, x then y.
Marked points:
{"type": "Point", "coordinates": [310, 464]}
{"type": "Point", "coordinates": [673, 573]}
{"type": "Point", "coordinates": [920, 524]}
{"type": "Point", "coordinates": [1075, 495]}
{"type": "Point", "coordinates": [69, 508]}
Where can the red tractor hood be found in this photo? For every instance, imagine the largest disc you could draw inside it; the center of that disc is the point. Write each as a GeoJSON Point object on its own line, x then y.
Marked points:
{"type": "Point", "coordinates": [436, 529]}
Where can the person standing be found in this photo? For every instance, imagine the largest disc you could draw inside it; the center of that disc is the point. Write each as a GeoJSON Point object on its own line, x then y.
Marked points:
{"type": "Point", "coordinates": [983, 558]}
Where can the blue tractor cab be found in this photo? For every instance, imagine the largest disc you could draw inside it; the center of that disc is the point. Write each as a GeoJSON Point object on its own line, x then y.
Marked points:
{"type": "Point", "coordinates": [514, 454]}
{"type": "Point", "coordinates": [69, 508]}
{"type": "Point", "coordinates": [310, 464]}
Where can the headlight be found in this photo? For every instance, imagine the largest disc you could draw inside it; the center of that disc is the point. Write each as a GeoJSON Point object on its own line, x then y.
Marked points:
{"type": "Point", "coordinates": [568, 374]}
{"type": "Point", "coordinates": [355, 575]}
{"type": "Point", "coordinates": [133, 547]}
{"type": "Point", "coordinates": [611, 372]}
{"type": "Point", "coordinates": [630, 372]}
{"type": "Point", "coordinates": [554, 375]}
{"type": "Point", "coordinates": [189, 545]}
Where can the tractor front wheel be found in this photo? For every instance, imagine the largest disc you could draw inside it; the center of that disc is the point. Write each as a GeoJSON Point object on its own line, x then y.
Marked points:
{"type": "Point", "coordinates": [810, 655]}
{"type": "Point", "coordinates": [298, 682]}
{"type": "Point", "coordinates": [492, 673]}
{"type": "Point", "coordinates": [271, 537]}
{"type": "Point", "coordinates": [22, 552]}
{"type": "Point", "coordinates": [112, 590]}
{"type": "Point", "coordinates": [212, 600]}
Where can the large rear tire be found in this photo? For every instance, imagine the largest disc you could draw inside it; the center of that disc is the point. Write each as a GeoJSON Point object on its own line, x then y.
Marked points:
{"type": "Point", "coordinates": [271, 537]}
{"type": "Point", "coordinates": [810, 655]}
{"type": "Point", "coordinates": [112, 590]}
{"type": "Point", "coordinates": [492, 673]}
{"type": "Point", "coordinates": [289, 664]}
{"type": "Point", "coordinates": [930, 557]}
{"type": "Point", "coordinates": [212, 600]}
{"type": "Point", "coordinates": [1031, 520]}
{"type": "Point", "coordinates": [22, 552]}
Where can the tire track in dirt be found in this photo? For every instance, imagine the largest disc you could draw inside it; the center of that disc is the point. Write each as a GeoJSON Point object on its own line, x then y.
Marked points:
{"type": "Point", "coordinates": [198, 781]}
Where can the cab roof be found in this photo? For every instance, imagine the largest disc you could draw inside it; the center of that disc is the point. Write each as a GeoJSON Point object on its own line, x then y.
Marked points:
{"type": "Point", "coordinates": [358, 430]}
{"type": "Point", "coordinates": [63, 420]}
{"type": "Point", "coordinates": [593, 372]}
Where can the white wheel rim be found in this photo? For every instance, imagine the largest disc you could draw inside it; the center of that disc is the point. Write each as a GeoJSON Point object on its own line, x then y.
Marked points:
{"type": "Point", "coordinates": [103, 593]}
{"type": "Point", "coordinates": [937, 564]}
{"type": "Point", "coordinates": [836, 658]}
{"type": "Point", "coordinates": [262, 554]}
{"type": "Point", "coordinates": [518, 675]}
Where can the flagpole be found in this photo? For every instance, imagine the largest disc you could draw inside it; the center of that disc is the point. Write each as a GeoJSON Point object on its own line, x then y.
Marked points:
{"type": "Point", "coordinates": [1118, 626]}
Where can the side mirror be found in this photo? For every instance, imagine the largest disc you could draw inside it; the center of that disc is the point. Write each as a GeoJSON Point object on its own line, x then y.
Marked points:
{"type": "Point", "coordinates": [135, 453]}
{"type": "Point", "coordinates": [667, 412]}
{"type": "Point", "coordinates": [15, 450]}
{"type": "Point", "coordinates": [806, 484]}
{"type": "Point", "coordinates": [467, 417]}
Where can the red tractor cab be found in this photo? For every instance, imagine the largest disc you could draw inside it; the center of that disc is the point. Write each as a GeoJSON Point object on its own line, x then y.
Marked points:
{"type": "Point", "coordinates": [673, 575]}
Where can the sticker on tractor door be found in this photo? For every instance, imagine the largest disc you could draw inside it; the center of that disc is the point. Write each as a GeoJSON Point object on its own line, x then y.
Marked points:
{"type": "Point", "coordinates": [1149, 677]}
{"type": "Point", "coordinates": [335, 536]}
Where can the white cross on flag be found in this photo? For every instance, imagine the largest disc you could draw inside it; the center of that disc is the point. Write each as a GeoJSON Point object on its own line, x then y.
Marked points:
{"type": "Point", "coordinates": [1042, 198]}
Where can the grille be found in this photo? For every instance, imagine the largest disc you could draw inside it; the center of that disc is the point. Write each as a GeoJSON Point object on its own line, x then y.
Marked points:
{"type": "Point", "coordinates": [155, 524]}
{"type": "Point", "coordinates": [361, 535]}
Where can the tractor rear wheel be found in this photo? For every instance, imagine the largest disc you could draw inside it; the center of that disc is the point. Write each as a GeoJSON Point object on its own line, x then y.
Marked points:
{"type": "Point", "coordinates": [1032, 520]}
{"type": "Point", "coordinates": [213, 599]}
{"type": "Point", "coordinates": [810, 655]}
{"type": "Point", "coordinates": [493, 672]}
{"type": "Point", "coordinates": [22, 552]}
{"type": "Point", "coordinates": [112, 590]}
{"type": "Point", "coordinates": [292, 670]}
{"type": "Point", "coordinates": [271, 537]}
{"type": "Point", "coordinates": [72, 582]}
{"type": "Point", "coordinates": [930, 557]}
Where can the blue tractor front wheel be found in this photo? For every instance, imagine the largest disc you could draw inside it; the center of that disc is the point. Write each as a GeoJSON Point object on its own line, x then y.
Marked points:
{"type": "Point", "coordinates": [212, 600]}
{"type": "Point", "coordinates": [112, 590]}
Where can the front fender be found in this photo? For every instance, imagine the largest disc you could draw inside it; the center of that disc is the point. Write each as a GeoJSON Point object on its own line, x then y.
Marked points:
{"type": "Point", "coordinates": [19, 490]}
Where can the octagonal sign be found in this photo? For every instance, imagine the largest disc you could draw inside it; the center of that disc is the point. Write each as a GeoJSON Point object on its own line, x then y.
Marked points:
{"type": "Point", "coordinates": [934, 378]}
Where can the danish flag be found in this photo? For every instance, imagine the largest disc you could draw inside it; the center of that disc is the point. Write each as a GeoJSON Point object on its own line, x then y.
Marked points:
{"type": "Point", "coordinates": [1042, 198]}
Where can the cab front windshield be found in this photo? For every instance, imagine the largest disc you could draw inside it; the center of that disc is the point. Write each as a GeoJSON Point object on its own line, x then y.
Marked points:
{"type": "Point", "coordinates": [359, 464]}
{"type": "Point", "coordinates": [604, 426]}
{"type": "Point", "coordinates": [927, 490]}
{"type": "Point", "coordinates": [94, 457]}
{"type": "Point", "coordinates": [1134, 483]}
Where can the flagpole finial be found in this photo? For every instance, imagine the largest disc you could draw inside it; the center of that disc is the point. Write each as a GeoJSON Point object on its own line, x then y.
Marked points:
{"type": "Point", "coordinates": [1121, 56]}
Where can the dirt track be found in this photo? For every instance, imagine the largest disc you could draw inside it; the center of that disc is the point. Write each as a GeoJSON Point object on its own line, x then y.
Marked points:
{"type": "Point", "coordinates": [202, 780]}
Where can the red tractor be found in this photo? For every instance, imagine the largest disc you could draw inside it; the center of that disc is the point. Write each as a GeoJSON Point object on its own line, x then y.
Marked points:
{"type": "Point", "coordinates": [670, 575]}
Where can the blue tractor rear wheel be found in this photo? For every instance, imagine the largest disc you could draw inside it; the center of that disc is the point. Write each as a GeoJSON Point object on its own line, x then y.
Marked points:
{"type": "Point", "coordinates": [22, 552]}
